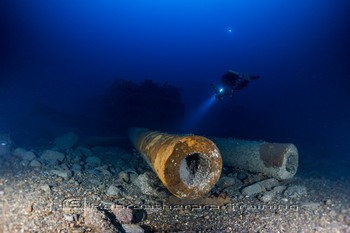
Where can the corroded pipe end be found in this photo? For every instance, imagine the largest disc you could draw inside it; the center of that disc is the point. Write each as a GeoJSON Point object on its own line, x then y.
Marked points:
{"type": "Point", "coordinates": [189, 166]}
{"type": "Point", "coordinates": [281, 159]}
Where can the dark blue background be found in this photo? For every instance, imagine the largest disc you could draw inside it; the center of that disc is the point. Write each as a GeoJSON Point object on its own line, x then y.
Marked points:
{"type": "Point", "coordinates": [64, 53]}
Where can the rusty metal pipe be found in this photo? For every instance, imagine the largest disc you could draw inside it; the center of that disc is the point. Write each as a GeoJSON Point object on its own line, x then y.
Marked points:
{"type": "Point", "coordinates": [278, 160]}
{"type": "Point", "coordinates": [188, 165]}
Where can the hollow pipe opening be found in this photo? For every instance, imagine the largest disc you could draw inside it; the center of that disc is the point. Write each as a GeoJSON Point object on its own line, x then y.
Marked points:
{"type": "Point", "coordinates": [292, 163]}
{"type": "Point", "coordinates": [194, 169]}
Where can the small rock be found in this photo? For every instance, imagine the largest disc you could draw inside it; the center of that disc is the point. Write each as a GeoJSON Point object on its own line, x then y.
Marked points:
{"type": "Point", "coordinates": [64, 166]}
{"type": "Point", "coordinates": [114, 191]}
{"type": "Point", "coordinates": [65, 174]}
{"type": "Point", "coordinates": [29, 209]}
{"type": "Point", "coordinates": [45, 188]}
{"type": "Point", "coordinates": [268, 196]}
{"type": "Point", "coordinates": [69, 217]}
{"type": "Point", "coordinates": [259, 187]}
{"type": "Point", "coordinates": [124, 176]}
{"type": "Point", "coordinates": [24, 163]}
{"type": "Point", "coordinates": [66, 141]}
{"type": "Point", "coordinates": [340, 218]}
{"type": "Point", "coordinates": [78, 230]}
{"type": "Point", "coordinates": [76, 167]}
{"type": "Point", "coordinates": [148, 182]}
{"type": "Point", "coordinates": [122, 214]}
{"type": "Point", "coordinates": [35, 163]}
{"type": "Point", "coordinates": [104, 171]}
{"type": "Point", "coordinates": [24, 154]}
{"type": "Point", "coordinates": [95, 181]}
{"type": "Point", "coordinates": [328, 202]}
{"type": "Point", "coordinates": [98, 221]}
{"type": "Point", "coordinates": [93, 161]}
{"type": "Point", "coordinates": [279, 189]}
{"type": "Point", "coordinates": [295, 191]}
{"type": "Point", "coordinates": [51, 155]}
{"type": "Point", "coordinates": [242, 175]}
{"type": "Point", "coordinates": [132, 228]}
{"type": "Point", "coordinates": [133, 176]}
{"type": "Point", "coordinates": [225, 182]}
{"type": "Point", "coordinates": [310, 205]}
{"type": "Point", "coordinates": [332, 214]}
{"type": "Point", "coordinates": [85, 151]}
{"type": "Point", "coordinates": [347, 219]}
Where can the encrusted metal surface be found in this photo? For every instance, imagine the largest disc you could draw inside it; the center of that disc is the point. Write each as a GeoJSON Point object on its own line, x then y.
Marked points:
{"type": "Point", "coordinates": [189, 166]}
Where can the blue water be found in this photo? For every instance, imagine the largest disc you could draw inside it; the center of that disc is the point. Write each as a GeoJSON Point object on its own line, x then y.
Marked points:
{"type": "Point", "coordinates": [60, 58]}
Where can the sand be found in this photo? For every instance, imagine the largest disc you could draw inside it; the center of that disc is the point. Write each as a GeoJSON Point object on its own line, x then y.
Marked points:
{"type": "Point", "coordinates": [35, 198]}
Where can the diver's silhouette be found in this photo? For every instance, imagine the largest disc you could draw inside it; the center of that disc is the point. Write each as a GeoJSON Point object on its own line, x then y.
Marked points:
{"type": "Point", "coordinates": [231, 82]}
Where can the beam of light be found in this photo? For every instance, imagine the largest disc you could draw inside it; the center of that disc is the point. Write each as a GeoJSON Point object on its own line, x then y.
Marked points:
{"type": "Point", "coordinates": [198, 114]}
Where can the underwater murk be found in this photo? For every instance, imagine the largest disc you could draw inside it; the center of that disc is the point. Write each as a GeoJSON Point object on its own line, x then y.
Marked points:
{"type": "Point", "coordinates": [174, 116]}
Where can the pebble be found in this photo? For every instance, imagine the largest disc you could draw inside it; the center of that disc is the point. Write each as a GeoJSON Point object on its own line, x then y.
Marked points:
{"type": "Point", "coordinates": [69, 217]}
{"type": "Point", "coordinates": [64, 166]}
{"type": "Point", "coordinates": [347, 219]}
{"type": "Point", "coordinates": [76, 158]}
{"type": "Point", "coordinates": [328, 202]}
{"type": "Point", "coordinates": [332, 214]}
{"type": "Point", "coordinates": [242, 175]}
{"type": "Point", "coordinates": [65, 174]}
{"type": "Point", "coordinates": [24, 163]}
{"type": "Point", "coordinates": [45, 188]}
{"type": "Point", "coordinates": [24, 154]}
{"type": "Point", "coordinates": [132, 228]}
{"type": "Point", "coordinates": [225, 182]}
{"type": "Point", "coordinates": [93, 161]}
{"type": "Point", "coordinates": [310, 205]}
{"type": "Point", "coordinates": [95, 181]}
{"type": "Point", "coordinates": [340, 218]}
{"type": "Point", "coordinates": [85, 151]}
{"type": "Point", "coordinates": [124, 176]}
{"type": "Point", "coordinates": [51, 155]}
{"type": "Point", "coordinates": [35, 163]}
{"type": "Point", "coordinates": [78, 230]}
{"type": "Point", "coordinates": [269, 195]}
{"type": "Point", "coordinates": [29, 209]}
{"type": "Point", "coordinates": [133, 176]}
{"type": "Point", "coordinates": [122, 214]}
{"type": "Point", "coordinates": [97, 219]}
{"type": "Point", "coordinates": [259, 187]}
{"type": "Point", "coordinates": [114, 191]}
{"type": "Point", "coordinates": [147, 183]}
{"type": "Point", "coordinates": [76, 167]}
{"type": "Point", "coordinates": [66, 141]}
{"type": "Point", "coordinates": [105, 172]}
{"type": "Point", "coordinates": [295, 191]}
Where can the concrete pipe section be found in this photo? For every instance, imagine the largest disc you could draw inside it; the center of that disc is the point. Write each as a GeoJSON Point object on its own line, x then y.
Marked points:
{"type": "Point", "coordinates": [189, 166]}
{"type": "Point", "coordinates": [276, 160]}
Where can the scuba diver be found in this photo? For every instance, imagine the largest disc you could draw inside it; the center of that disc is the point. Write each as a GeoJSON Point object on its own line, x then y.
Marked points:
{"type": "Point", "coordinates": [231, 82]}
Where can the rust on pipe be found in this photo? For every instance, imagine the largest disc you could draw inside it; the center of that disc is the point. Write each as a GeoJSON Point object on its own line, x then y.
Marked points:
{"type": "Point", "coordinates": [188, 165]}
